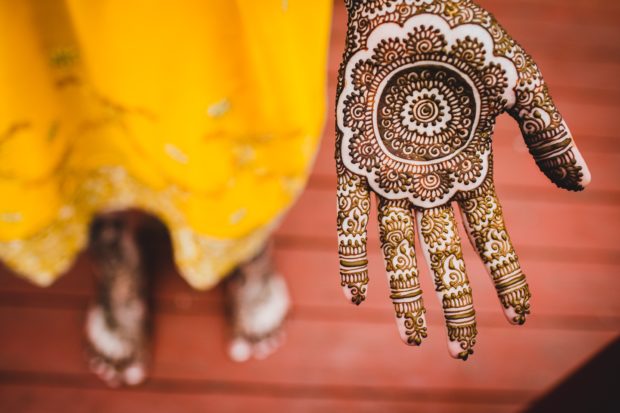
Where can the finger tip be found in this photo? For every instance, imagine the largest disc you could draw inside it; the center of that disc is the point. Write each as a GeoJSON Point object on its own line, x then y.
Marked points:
{"type": "Point", "coordinates": [581, 177]}
{"type": "Point", "coordinates": [586, 176]}
{"type": "Point", "coordinates": [358, 299]}
{"type": "Point", "coordinates": [586, 179]}
{"type": "Point", "coordinates": [412, 340]}
{"type": "Point", "coordinates": [464, 355]}
{"type": "Point", "coordinates": [454, 349]}
{"type": "Point", "coordinates": [457, 350]}
{"type": "Point", "coordinates": [515, 317]}
{"type": "Point", "coordinates": [356, 294]}
{"type": "Point", "coordinates": [412, 332]}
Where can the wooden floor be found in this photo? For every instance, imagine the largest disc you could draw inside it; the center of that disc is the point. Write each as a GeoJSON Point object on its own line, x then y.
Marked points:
{"type": "Point", "coordinates": [340, 358]}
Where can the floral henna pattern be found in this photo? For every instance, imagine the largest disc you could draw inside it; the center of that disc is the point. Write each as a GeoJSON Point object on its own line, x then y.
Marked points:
{"type": "Point", "coordinates": [419, 90]}
{"type": "Point", "coordinates": [484, 222]}
{"type": "Point", "coordinates": [442, 250]}
{"type": "Point", "coordinates": [387, 26]}
{"type": "Point", "coordinates": [419, 106]}
{"type": "Point", "coordinates": [353, 210]}
{"type": "Point", "coordinates": [551, 144]}
{"type": "Point", "coordinates": [396, 229]}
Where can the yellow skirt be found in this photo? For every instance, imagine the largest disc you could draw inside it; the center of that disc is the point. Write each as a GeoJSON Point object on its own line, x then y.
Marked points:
{"type": "Point", "coordinates": [206, 113]}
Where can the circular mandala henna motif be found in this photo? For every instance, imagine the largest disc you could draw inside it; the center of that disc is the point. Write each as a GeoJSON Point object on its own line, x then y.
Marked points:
{"type": "Point", "coordinates": [426, 112]}
{"type": "Point", "coordinates": [418, 107]}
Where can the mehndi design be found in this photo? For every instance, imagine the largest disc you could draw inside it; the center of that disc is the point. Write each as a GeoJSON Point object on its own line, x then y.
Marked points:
{"type": "Point", "coordinates": [420, 87]}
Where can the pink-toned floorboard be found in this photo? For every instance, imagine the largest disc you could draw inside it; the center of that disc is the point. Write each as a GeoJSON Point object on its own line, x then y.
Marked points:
{"type": "Point", "coordinates": [341, 358]}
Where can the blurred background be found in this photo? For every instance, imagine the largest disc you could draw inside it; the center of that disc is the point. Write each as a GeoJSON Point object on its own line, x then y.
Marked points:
{"type": "Point", "coordinates": [340, 358]}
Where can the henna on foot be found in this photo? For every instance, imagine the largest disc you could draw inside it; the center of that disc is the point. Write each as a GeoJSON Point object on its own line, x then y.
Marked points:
{"type": "Point", "coordinates": [116, 325]}
{"type": "Point", "coordinates": [257, 300]}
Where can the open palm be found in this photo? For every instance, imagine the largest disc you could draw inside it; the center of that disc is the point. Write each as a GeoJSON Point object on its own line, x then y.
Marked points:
{"type": "Point", "coordinates": [420, 88]}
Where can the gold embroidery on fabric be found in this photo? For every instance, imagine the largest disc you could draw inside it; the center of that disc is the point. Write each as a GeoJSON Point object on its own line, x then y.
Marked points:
{"type": "Point", "coordinates": [202, 260]}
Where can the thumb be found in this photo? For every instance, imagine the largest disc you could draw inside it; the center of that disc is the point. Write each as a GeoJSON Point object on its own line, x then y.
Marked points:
{"type": "Point", "coordinates": [545, 132]}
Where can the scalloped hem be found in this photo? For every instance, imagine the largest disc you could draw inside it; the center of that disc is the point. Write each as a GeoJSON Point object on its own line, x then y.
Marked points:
{"type": "Point", "coordinates": [202, 260]}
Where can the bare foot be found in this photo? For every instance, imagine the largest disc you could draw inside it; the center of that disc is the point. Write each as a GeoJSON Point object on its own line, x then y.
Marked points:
{"type": "Point", "coordinates": [116, 326]}
{"type": "Point", "coordinates": [117, 358]}
{"type": "Point", "coordinates": [258, 302]}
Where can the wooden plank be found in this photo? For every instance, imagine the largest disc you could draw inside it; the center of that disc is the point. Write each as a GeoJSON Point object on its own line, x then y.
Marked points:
{"type": "Point", "coordinates": [317, 285]}
{"type": "Point", "coordinates": [312, 274]}
{"type": "Point", "coordinates": [580, 13]}
{"type": "Point", "coordinates": [531, 223]}
{"type": "Point", "coordinates": [533, 21]}
{"type": "Point", "coordinates": [326, 353]}
{"type": "Point", "coordinates": [312, 271]}
{"type": "Point", "coordinates": [25, 398]}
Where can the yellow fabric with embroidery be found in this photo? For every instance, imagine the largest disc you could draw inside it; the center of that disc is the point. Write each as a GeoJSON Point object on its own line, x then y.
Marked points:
{"type": "Point", "coordinates": [206, 113]}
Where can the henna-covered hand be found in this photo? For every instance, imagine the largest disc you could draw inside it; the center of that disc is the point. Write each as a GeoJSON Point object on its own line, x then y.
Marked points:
{"type": "Point", "coordinates": [420, 87]}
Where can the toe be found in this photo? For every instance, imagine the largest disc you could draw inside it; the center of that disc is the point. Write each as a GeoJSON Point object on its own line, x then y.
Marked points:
{"type": "Point", "coordinates": [105, 371]}
{"type": "Point", "coordinates": [262, 350]}
{"type": "Point", "coordinates": [240, 350]}
{"type": "Point", "coordinates": [134, 374]}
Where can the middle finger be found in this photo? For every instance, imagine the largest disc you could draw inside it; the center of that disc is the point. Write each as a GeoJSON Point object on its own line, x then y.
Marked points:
{"type": "Point", "coordinates": [442, 249]}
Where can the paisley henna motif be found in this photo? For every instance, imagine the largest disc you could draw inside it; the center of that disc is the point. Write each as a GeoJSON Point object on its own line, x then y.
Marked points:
{"type": "Point", "coordinates": [419, 90]}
